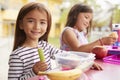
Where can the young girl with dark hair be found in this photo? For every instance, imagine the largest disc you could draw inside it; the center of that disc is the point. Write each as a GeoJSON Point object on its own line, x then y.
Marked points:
{"type": "Point", "coordinates": [78, 25]}
{"type": "Point", "coordinates": [32, 29]}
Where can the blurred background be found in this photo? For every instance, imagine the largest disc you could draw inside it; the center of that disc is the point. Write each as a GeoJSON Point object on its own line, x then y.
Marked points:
{"type": "Point", "coordinates": [106, 13]}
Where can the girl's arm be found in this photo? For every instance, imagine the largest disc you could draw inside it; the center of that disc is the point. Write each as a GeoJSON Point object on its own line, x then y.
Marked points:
{"type": "Point", "coordinates": [16, 70]}
{"type": "Point", "coordinates": [52, 49]}
{"type": "Point", "coordinates": [71, 40]}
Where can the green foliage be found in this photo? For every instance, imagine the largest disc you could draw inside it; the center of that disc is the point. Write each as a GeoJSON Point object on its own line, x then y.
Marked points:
{"type": "Point", "coordinates": [63, 16]}
{"type": "Point", "coordinates": [99, 24]}
{"type": "Point", "coordinates": [54, 41]}
{"type": "Point", "coordinates": [116, 17]}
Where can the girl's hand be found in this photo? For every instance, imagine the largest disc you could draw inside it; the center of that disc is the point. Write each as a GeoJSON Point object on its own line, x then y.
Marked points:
{"type": "Point", "coordinates": [96, 66]}
{"type": "Point", "coordinates": [108, 40]}
{"type": "Point", "coordinates": [39, 66]}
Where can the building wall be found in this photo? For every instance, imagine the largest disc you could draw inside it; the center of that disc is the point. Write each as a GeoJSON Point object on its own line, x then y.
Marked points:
{"type": "Point", "coordinates": [9, 15]}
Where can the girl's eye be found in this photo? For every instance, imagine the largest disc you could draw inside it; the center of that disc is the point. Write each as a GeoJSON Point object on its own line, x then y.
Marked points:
{"type": "Point", "coordinates": [30, 20]}
{"type": "Point", "coordinates": [86, 17]}
{"type": "Point", "coordinates": [43, 22]}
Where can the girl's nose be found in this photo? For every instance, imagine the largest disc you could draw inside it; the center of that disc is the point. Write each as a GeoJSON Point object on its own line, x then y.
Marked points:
{"type": "Point", "coordinates": [37, 26]}
{"type": "Point", "coordinates": [87, 22]}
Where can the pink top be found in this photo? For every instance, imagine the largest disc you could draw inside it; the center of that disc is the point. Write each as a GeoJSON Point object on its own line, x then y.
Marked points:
{"type": "Point", "coordinates": [83, 40]}
{"type": "Point", "coordinates": [80, 36]}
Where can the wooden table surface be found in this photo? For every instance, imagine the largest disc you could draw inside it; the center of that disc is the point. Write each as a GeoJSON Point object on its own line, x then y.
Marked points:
{"type": "Point", "coordinates": [109, 72]}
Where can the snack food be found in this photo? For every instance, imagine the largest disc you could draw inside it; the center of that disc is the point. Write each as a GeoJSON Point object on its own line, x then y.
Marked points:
{"type": "Point", "coordinates": [72, 74]}
{"type": "Point", "coordinates": [41, 54]}
{"type": "Point", "coordinates": [100, 51]}
{"type": "Point", "coordinates": [114, 34]}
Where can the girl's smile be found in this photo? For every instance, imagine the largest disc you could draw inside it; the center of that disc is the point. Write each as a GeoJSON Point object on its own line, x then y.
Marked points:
{"type": "Point", "coordinates": [34, 24]}
{"type": "Point", "coordinates": [83, 21]}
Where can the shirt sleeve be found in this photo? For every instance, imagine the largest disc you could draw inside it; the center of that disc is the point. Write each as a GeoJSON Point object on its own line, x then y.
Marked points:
{"type": "Point", "coordinates": [16, 69]}
{"type": "Point", "coordinates": [54, 50]}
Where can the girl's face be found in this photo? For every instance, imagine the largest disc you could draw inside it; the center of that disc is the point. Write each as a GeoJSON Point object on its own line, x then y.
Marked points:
{"type": "Point", "coordinates": [83, 21]}
{"type": "Point", "coordinates": [34, 24]}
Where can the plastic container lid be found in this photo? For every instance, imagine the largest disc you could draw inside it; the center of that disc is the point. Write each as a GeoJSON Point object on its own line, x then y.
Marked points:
{"type": "Point", "coordinates": [114, 50]}
{"type": "Point", "coordinates": [73, 59]}
{"type": "Point", "coordinates": [114, 59]}
{"type": "Point", "coordinates": [68, 59]}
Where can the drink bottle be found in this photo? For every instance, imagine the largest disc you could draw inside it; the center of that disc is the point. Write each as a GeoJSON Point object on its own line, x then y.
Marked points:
{"type": "Point", "coordinates": [116, 28]}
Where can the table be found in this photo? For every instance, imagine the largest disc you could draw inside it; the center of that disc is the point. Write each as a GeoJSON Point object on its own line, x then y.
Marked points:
{"type": "Point", "coordinates": [109, 72]}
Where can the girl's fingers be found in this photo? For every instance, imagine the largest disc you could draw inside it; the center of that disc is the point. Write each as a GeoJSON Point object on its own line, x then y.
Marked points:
{"type": "Point", "coordinates": [42, 66]}
{"type": "Point", "coordinates": [96, 67]}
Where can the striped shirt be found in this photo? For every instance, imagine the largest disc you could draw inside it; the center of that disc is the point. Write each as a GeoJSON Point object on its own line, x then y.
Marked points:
{"type": "Point", "coordinates": [23, 58]}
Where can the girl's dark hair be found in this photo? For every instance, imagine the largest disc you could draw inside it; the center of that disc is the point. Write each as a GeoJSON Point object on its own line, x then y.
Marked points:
{"type": "Point", "coordinates": [74, 12]}
{"type": "Point", "coordinates": [20, 35]}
